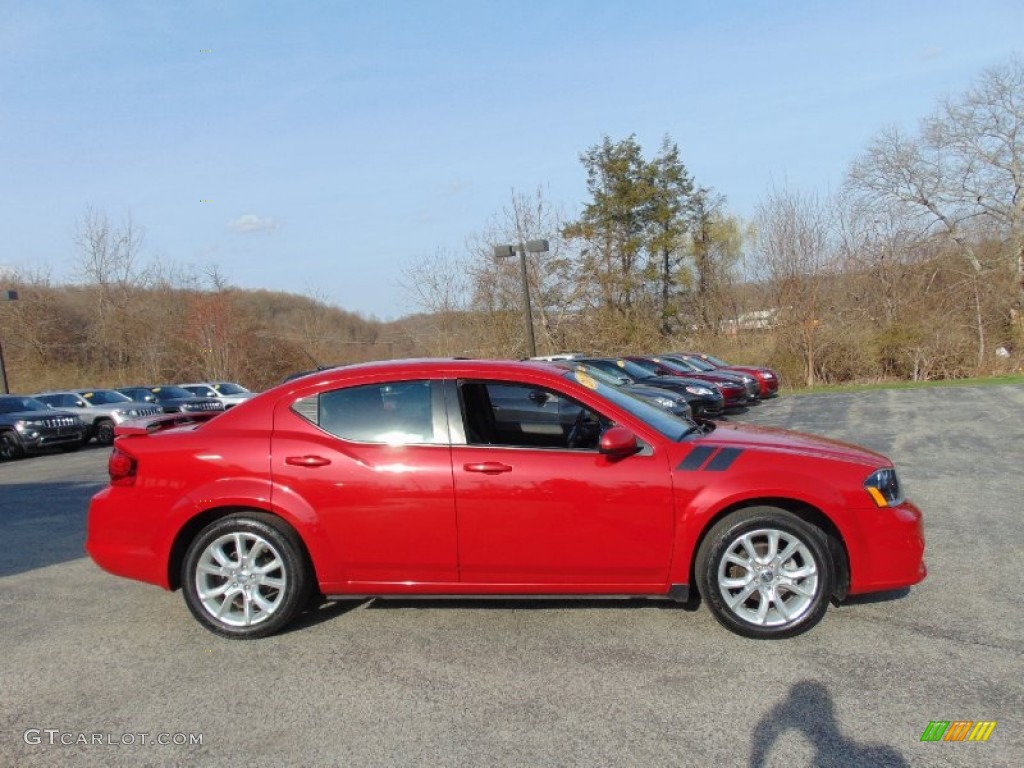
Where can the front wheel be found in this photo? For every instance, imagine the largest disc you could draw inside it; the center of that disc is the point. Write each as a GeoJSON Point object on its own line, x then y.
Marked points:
{"type": "Point", "coordinates": [105, 432]}
{"type": "Point", "coordinates": [244, 576]}
{"type": "Point", "coordinates": [10, 446]}
{"type": "Point", "coordinates": [765, 573]}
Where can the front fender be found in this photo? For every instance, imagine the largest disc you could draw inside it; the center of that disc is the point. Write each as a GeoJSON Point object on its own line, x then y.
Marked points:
{"type": "Point", "coordinates": [699, 506]}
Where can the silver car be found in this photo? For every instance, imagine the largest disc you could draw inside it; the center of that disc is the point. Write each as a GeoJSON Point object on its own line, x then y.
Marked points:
{"type": "Point", "coordinates": [227, 392]}
{"type": "Point", "coordinates": [101, 409]}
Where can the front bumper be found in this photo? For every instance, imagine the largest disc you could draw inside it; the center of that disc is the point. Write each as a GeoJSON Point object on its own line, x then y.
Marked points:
{"type": "Point", "coordinates": [38, 439]}
{"type": "Point", "coordinates": [890, 554]}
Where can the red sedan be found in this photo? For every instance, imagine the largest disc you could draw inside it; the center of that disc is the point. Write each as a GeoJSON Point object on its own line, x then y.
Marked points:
{"type": "Point", "coordinates": [734, 390]}
{"type": "Point", "coordinates": [462, 477]}
{"type": "Point", "coordinates": [767, 379]}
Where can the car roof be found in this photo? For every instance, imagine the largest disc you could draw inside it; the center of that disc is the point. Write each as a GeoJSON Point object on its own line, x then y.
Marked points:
{"type": "Point", "coordinates": [431, 366]}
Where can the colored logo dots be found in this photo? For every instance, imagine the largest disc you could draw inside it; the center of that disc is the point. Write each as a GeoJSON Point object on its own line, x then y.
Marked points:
{"type": "Point", "coordinates": [206, 50]}
{"type": "Point", "coordinates": [206, 201]}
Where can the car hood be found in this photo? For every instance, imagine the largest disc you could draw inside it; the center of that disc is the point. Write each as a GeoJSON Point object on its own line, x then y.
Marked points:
{"type": "Point", "coordinates": [679, 382]}
{"type": "Point", "coordinates": [786, 441]}
{"type": "Point", "coordinates": [651, 391]}
{"type": "Point", "coordinates": [37, 415]}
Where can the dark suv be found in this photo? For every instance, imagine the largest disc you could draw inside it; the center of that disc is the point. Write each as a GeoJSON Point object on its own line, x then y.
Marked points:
{"type": "Point", "coordinates": [172, 399]}
{"type": "Point", "coordinates": [29, 425]}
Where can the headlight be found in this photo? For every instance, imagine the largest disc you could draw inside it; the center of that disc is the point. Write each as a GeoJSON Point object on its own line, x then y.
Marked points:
{"type": "Point", "coordinates": [768, 375]}
{"type": "Point", "coordinates": [884, 487]}
{"type": "Point", "coordinates": [664, 402]}
{"type": "Point", "coordinates": [20, 425]}
{"type": "Point", "coordinates": [702, 391]}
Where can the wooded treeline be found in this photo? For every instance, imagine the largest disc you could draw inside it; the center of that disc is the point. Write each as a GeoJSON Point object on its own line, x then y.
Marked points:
{"type": "Point", "coordinates": [914, 269]}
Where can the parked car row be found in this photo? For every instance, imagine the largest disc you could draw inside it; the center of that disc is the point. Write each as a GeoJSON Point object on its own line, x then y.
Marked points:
{"type": "Point", "coordinates": [709, 386]}
{"type": "Point", "coordinates": [68, 419]}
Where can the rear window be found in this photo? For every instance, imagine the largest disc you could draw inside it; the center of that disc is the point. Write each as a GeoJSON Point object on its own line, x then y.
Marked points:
{"type": "Point", "coordinates": [395, 413]}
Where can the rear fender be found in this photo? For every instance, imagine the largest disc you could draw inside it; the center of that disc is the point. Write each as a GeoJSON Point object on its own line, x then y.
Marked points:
{"type": "Point", "coordinates": [227, 495]}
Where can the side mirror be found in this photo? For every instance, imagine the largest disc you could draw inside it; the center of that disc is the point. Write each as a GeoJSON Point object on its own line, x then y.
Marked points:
{"type": "Point", "coordinates": [618, 443]}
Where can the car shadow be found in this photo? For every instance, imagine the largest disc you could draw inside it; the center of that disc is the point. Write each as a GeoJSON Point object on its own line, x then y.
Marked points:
{"type": "Point", "coordinates": [37, 530]}
{"type": "Point", "coordinates": [530, 603]}
{"type": "Point", "coordinates": [876, 597]}
{"type": "Point", "coordinates": [810, 711]}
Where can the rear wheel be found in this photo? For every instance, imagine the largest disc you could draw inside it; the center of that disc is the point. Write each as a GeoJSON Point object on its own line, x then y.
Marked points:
{"type": "Point", "coordinates": [245, 576]}
{"type": "Point", "coordinates": [10, 446]}
{"type": "Point", "coordinates": [765, 573]}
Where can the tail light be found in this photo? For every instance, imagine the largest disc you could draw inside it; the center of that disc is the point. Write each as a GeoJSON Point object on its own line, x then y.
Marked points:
{"type": "Point", "coordinates": [122, 468]}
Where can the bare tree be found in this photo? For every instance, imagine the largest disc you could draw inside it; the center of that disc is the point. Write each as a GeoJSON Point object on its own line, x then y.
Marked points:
{"type": "Point", "coordinates": [967, 163]}
{"type": "Point", "coordinates": [439, 284]}
{"type": "Point", "coordinates": [110, 260]}
{"type": "Point", "coordinates": [795, 256]}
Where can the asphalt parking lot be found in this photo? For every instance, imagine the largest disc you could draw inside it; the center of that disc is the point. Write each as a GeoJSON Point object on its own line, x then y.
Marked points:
{"type": "Point", "coordinates": [467, 683]}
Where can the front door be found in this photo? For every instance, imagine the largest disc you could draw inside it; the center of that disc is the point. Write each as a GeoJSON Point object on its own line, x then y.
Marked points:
{"type": "Point", "coordinates": [547, 510]}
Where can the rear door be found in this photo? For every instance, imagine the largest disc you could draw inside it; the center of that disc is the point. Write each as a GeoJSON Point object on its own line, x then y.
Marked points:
{"type": "Point", "coordinates": [374, 463]}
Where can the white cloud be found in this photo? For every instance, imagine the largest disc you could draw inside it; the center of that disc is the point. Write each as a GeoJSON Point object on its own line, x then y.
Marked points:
{"type": "Point", "coordinates": [250, 222]}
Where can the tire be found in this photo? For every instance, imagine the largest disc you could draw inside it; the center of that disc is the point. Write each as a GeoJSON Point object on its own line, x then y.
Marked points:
{"type": "Point", "coordinates": [10, 446]}
{"type": "Point", "coordinates": [105, 432]}
{"type": "Point", "coordinates": [753, 588]}
{"type": "Point", "coordinates": [243, 599]}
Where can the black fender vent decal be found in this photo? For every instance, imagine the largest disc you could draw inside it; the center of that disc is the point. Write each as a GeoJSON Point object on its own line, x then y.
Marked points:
{"type": "Point", "coordinates": [721, 459]}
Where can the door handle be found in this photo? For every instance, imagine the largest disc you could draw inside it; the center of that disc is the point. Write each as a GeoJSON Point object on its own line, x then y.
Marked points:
{"type": "Point", "coordinates": [488, 467]}
{"type": "Point", "coordinates": [307, 461]}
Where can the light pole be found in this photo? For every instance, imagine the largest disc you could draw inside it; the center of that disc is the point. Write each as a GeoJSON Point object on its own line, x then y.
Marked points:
{"type": "Point", "coordinates": [5, 296]}
{"type": "Point", "coordinates": [506, 251]}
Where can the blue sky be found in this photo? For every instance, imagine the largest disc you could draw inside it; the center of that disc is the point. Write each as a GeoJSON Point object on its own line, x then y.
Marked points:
{"type": "Point", "coordinates": [338, 142]}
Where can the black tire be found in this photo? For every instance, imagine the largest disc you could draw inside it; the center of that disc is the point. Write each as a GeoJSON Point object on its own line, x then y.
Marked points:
{"type": "Point", "coordinates": [253, 602]}
{"type": "Point", "coordinates": [105, 432]}
{"type": "Point", "coordinates": [765, 590]}
{"type": "Point", "coordinates": [10, 446]}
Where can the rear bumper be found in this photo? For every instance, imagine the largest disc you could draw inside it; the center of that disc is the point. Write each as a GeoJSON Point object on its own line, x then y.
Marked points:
{"type": "Point", "coordinates": [892, 556]}
{"type": "Point", "coordinates": [119, 543]}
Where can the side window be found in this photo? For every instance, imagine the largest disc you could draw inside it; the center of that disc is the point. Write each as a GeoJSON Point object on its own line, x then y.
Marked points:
{"type": "Point", "coordinates": [396, 413]}
{"type": "Point", "coordinates": [523, 416]}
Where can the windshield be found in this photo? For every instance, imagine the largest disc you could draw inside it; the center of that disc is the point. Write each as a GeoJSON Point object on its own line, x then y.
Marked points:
{"type": "Point", "coordinates": [18, 404]}
{"type": "Point", "coordinates": [677, 365]}
{"type": "Point", "coordinates": [603, 376]}
{"type": "Point", "coordinates": [696, 362]}
{"type": "Point", "coordinates": [170, 393]}
{"type": "Point", "coordinates": [621, 368]}
{"type": "Point", "coordinates": [672, 427]}
{"type": "Point", "coordinates": [227, 388]}
{"type": "Point", "coordinates": [201, 390]}
{"type": "Point", "coordinates": [104, 397]}
{"type": "Point", "coordinates": [716, 361]}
